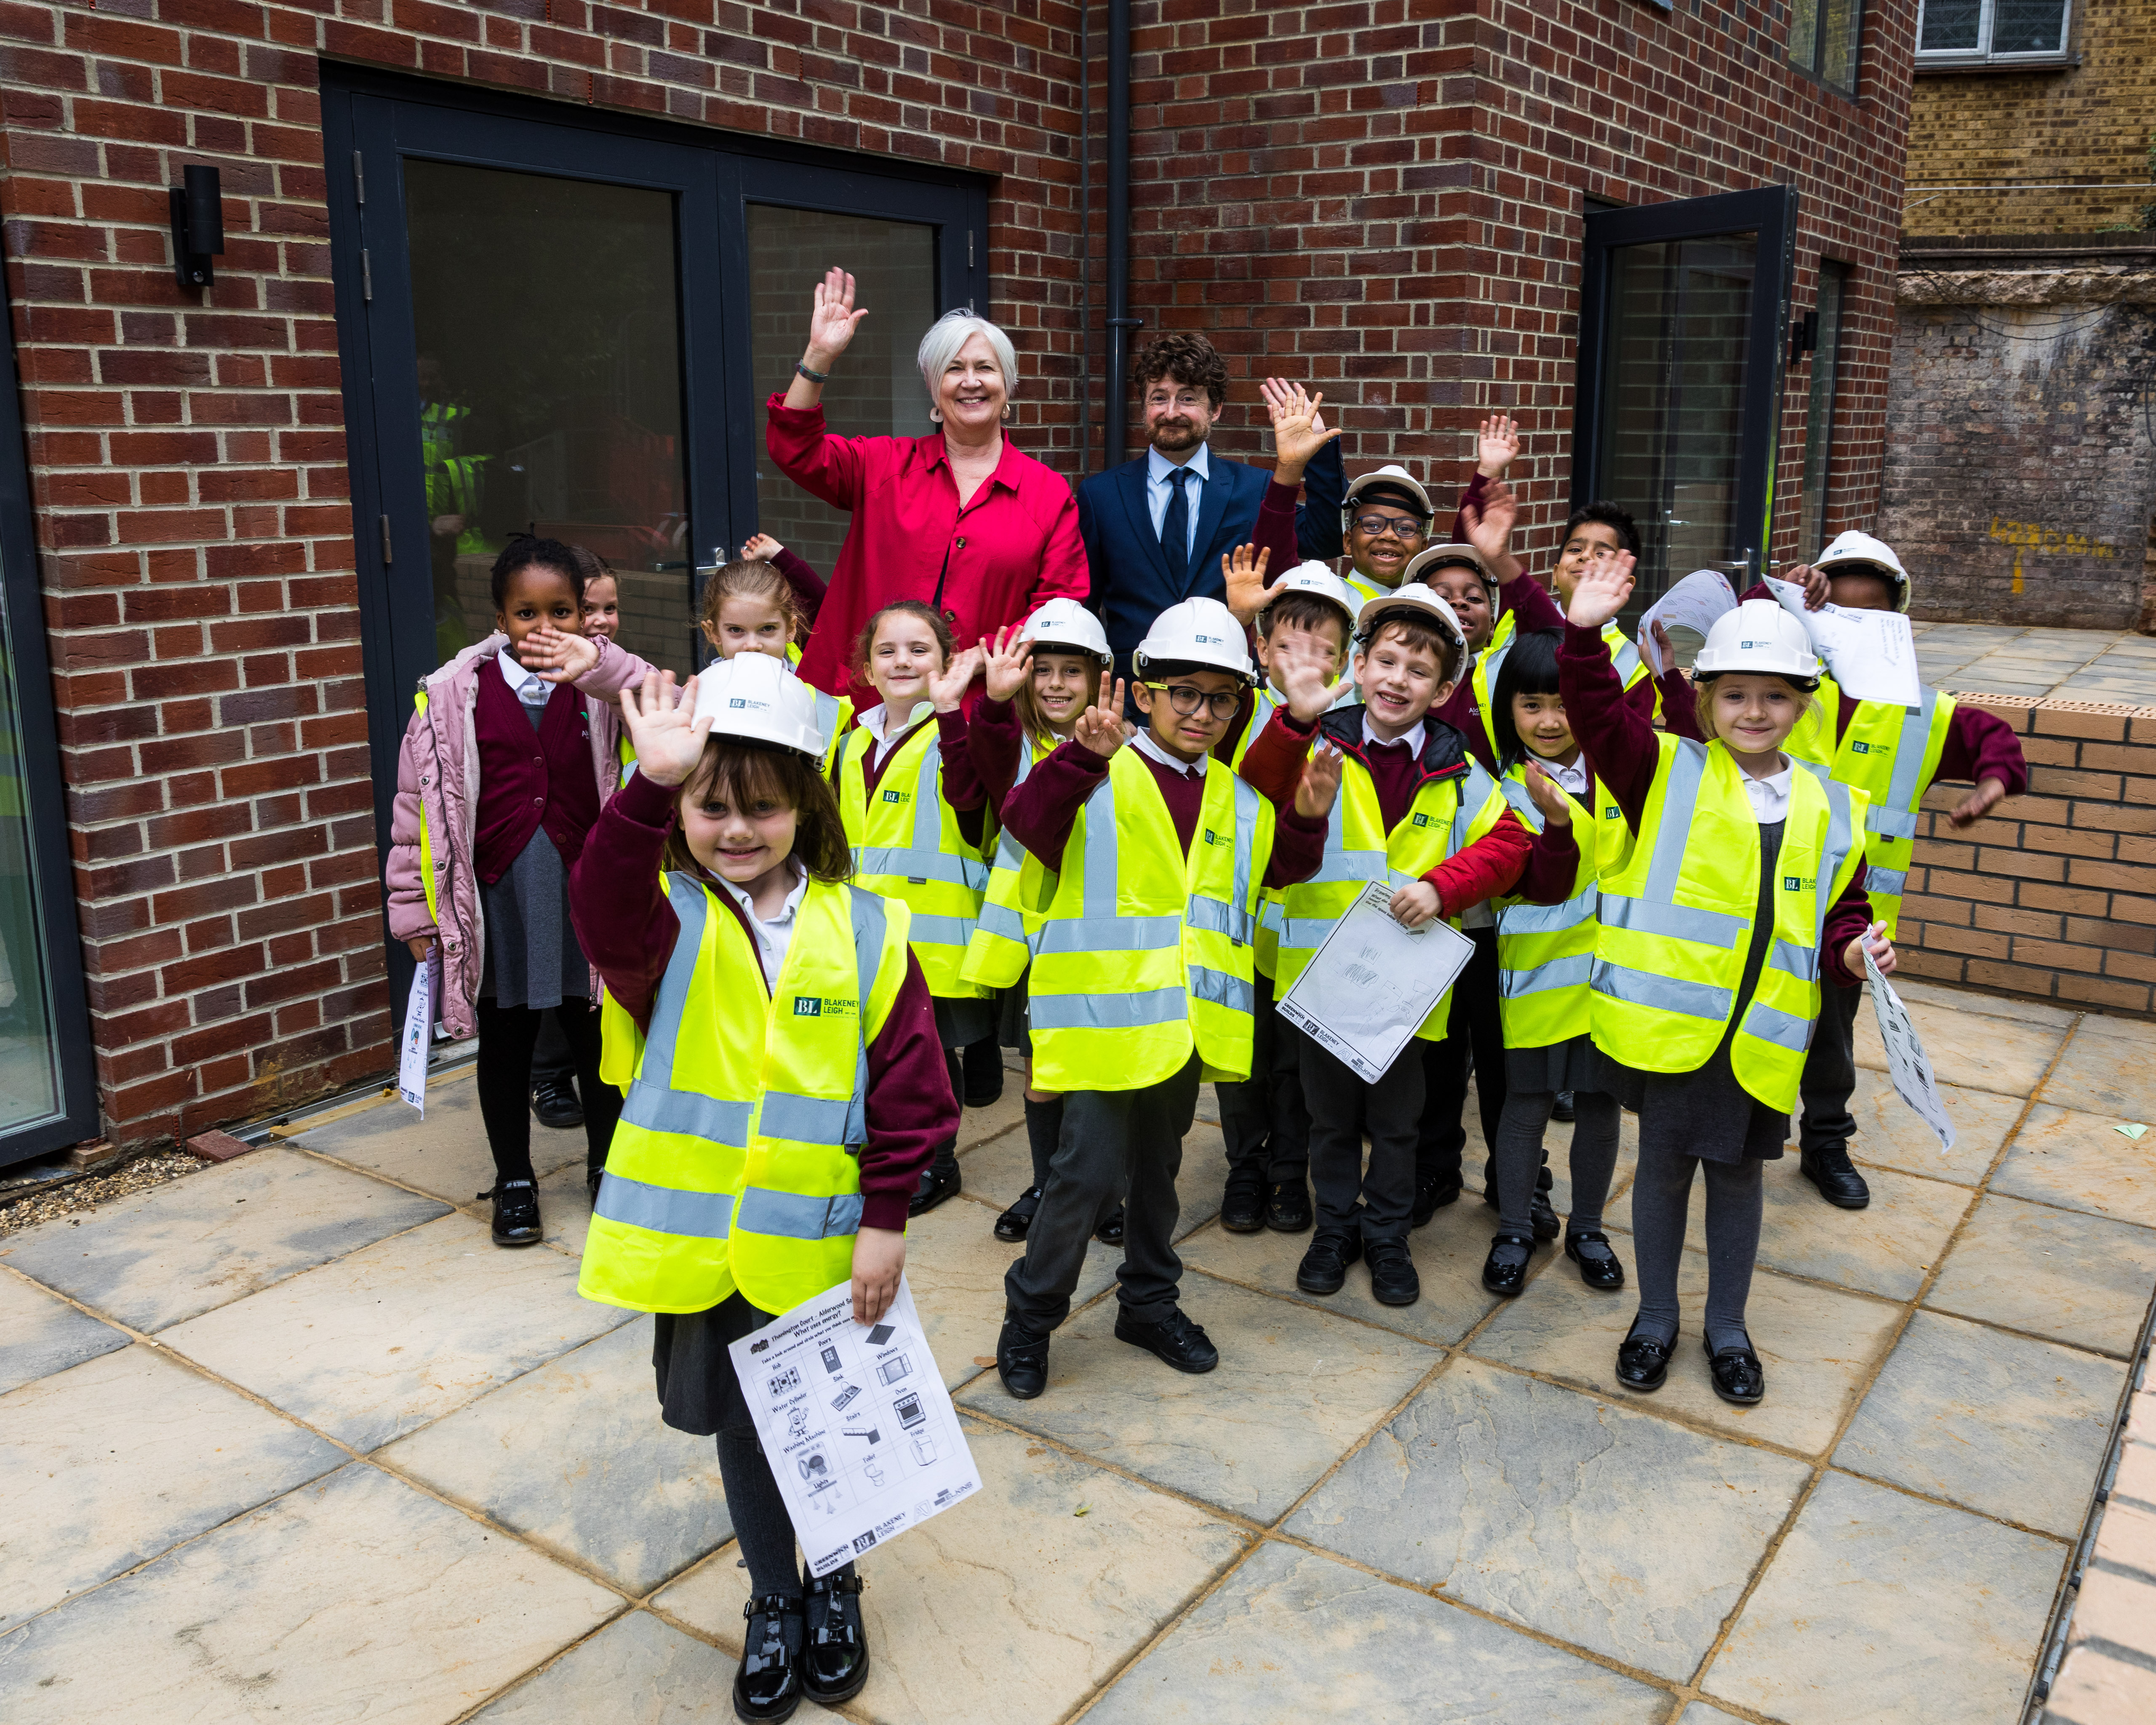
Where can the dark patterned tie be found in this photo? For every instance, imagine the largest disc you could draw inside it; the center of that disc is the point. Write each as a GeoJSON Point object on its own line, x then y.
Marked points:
{"type": "Point", "coordinates": [1175, 528]}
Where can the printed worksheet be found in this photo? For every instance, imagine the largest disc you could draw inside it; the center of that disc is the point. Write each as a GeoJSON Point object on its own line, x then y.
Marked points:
{"type": "Point", "coordinates": [857, 1424]}
{"type": "Point", "coordinates": [1696, 602]}
{"type": "Point", "coordinates": [1372, 982]}
{"type": "Point", "coordinates": [1871, 654]}
{"type": "Point", "coordinates": [1906, 1063]}
{"type": "Point", "coordinates": [419, 1032]}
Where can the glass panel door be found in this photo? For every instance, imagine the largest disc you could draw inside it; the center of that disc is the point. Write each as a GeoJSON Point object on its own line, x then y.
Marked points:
{"type": "Point", "coordinates": [1682, 307]}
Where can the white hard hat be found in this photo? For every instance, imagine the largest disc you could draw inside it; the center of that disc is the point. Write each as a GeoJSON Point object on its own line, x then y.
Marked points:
{"type": "Point", "coordinates": [1069, 626]}
{"type": "Point", "coordinates": [1197, 632]}
{"type": "Point", "coordinates": [1757, 636]}
{"type": "Point", "coordinates": [1320, 582]}
{"type": "Point", "coordinates": [1414, 598]}
{"type": "Point", "coordinates": [1393, 476]}
{"type": "Point", "coordinates": [1863, 548]}
{"type": "Point", "coordinates": [755, 698]}
{"type": "Point", "coordinates": [1437, 557]}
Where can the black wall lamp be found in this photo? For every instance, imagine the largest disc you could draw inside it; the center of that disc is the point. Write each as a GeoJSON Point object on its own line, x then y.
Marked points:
{"type": "Point", "coordinates": [197, 226]}
{"type": "Point", "coordinates": [1803, 335]}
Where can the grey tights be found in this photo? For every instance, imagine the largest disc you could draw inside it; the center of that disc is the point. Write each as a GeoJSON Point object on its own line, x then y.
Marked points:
{"type": "Point", "coordinates": [1661, 1192]}
{"type": "Point", "coordinates": [1520, 1153]}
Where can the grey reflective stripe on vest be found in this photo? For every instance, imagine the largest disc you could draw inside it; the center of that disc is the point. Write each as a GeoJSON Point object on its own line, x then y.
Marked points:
{"type": "Point", "coordinates": [793, 1215]}
{"type": "Point", "coordinates": [1473, 793]}
{"type": "Point", "coordinates": [1107, 1012]}
{"type": "Point", "coordinates": [1889, 823]}
{"type": "Point", "coordinates": [1801, 963]}
{"type": "Point", "coordinates": [1666, 994]}
{"type": "Point", "coordinates": [836, 1120]}
{"type": "Point", "coordinates": [926, 859]}
{"type": "Point", "coordinates": [1888, 883]}
{"type": "Point", "coordinates": [1841, 838]}
{"type": "Point", "coordinates": [1515, 793]}
{"type": "Point", "coordinates": [827, 716]}
{"type": "Point", "coordinates": [689, 1112]}
{"type": "Point", "coordinates": [653, 1102]}
{"type": "Point", "coordinates": [661, 1209]}
{"type": "Point", "coordinates": [1073, 935]}
{"type": "Point", "coordinates": [1233, 920]}
{"type": "Point", "coordinates": [1568, 972]}
{"type": "Point", "coordinates": [1222, 989]}
{"type": "Point", "coordinates": [1683, 922]}
{"type": "Point", "coordinates": [1002, 920]}
{"type": "Point", "coordinates": [1624, 657]}
{"type": "Point", "coordinates": [940, 931]}
{"type": "Point", "coordinates": [1907, 783]}
{"type": "Point", "coordinates": [1784, 1030]}
{"type": "Point", "coordinates": [1339, 863]}
{"type": "Point", "coordinates": [806, 1120]}
{"type": "Point", "coordinates": [1097, 928]}
{"type": "Point", "coordinates": [1549, 919]}
{"type": "Point", "coordinates": [1655, 911]}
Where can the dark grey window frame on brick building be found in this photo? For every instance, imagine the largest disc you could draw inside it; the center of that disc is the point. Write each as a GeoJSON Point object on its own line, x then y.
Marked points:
{"type": "Point", "coordinates": [1981, 52]}
{"type": "Point", "coordinates": [1815, 54]}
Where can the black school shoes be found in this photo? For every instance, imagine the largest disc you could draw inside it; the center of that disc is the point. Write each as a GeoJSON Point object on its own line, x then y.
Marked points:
{"type": "Point", "coordinates": [1175, 1341]}
{"type": "Point", "coordinates": [1022, 1361]}
{"type": "Point", "coordinates": [767, 1686]}
{"type": "Point", "coordinates": [1738, 1376]}
{"type": "Point", "coordinates": [835, 1652]}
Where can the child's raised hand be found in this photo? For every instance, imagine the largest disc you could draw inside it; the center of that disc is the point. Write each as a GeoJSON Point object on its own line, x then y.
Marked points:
{"type": "Point", "coordinates": [1489, 525]}
{"type": "Point", "coordinates": [1307, 682]}
{"type": "Point", "coordinates": [1243, 571]}
{"type": "Point", "coordinates": [1005, 660]}
{"type": "Point", "coordinates": [832, 319]}
{"type": "Point", "coordinates": [1874, 941]}
{"type": "Point", "coordinates": [1321, 783]}
{"type": "Point", "coordinates": [662, 728]}
{"type": "Point", "coordinates": [1548, 796]}
{"type": "Point", "coordinates": [1298, 432]}
{"type": "Point", "coordinates": [1415, 904]}
{"type": "Point", "coordinates": [760, 548]}
{"type": "Point", "coordinates": [557, 658]}
{"type": "Point", "coordinates": [1496, 446]}
{"type": "Point", "coordinates": [1100, 727]}
{"type": "Point", "coordinates": [947, 687]}
{"type": "Point", "coordinates": [1603, 589]}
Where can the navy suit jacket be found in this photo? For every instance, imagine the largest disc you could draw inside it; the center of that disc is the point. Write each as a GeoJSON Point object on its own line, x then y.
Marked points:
{"type": "Point", "coordinates": [1130, 583]}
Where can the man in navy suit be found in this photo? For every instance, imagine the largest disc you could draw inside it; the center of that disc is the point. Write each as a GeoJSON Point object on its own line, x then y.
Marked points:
{"type": "Point", "coordinates": [1155, 528]}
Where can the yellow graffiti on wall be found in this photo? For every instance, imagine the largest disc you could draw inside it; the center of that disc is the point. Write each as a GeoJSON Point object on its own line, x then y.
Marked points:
{"type": "Point", "coordinates": [2033, 535]}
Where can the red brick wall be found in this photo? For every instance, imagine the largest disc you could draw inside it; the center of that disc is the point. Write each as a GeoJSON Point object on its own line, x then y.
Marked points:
{"type": "Point", "coordinates": [1383, 195]}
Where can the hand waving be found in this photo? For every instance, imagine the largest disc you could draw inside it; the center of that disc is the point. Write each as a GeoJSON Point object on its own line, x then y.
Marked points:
{"type": "Point", "coordinates": [1298, 432]}
{"type": "Point", "coordinates": [1548, 796]}
{"type": "Point", "coordinates": [832, 320]}
{"type": "Point", "coordinates": [1244, 571]}
{"type": "Point", "coordinates": [668, 738]}
{"type": "Point", "coordinates": [947, 688]}
{"type": "Point", "coordinates": [1321, 783]}
{"type": "Point", "coordinates": [1489, 526]}
{"type": "Point", "coordinates": [760, 547]}
{"type": "Point", "coordinates": [1005, 659]}
{"type": "Point", "coordinates": [1100, 727]}
{"type": "Point", "coordinates": [1602, 592]}
{"type": "Point", "coordinates": [1496, 446]}
{"type": "Point", "coordinates": [1309, 684]}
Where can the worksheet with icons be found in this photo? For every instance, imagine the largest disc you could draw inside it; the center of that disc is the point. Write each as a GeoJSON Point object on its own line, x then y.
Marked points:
{"type": "Point", "coordinates": [859, 1431]}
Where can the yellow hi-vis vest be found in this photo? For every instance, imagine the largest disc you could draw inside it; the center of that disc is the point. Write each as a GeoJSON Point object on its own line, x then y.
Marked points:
{"type": "Point", "coordinates": [1145, 951]}
{"type": "Point", "coordinates": [1675, 923]}
{"type": "Point", "coordinates": [1546, 952]}
{"type": "Point", "coordinates": [735, 1163]}
{"type": "Point", "coordinates": [1449, 813]}
{"type": "Point", "coordinates": [1890, 753]}
{"type": "Point", "coordinates": [1018, 890]}
{"type": "Point", "coordinates": [1624, 653]}
{"type": "Point", "coordinates": [833, 713]}
{"type": "Point", "coordinates": [908, 846]}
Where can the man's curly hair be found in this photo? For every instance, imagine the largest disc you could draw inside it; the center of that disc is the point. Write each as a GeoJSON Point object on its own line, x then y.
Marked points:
{"type": "Point", "coordinates": [1187, 359]}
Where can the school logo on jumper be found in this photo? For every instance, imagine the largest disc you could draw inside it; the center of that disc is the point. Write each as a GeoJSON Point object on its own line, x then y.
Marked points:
{"type": "Point", "coordinates": [1799, 883]}
{"type": "Point", "coordinates": [808, 1006]}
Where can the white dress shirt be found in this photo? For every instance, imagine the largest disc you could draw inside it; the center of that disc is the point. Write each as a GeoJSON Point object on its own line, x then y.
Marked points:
{"type": "Point", "coordinates": [1143, 742]}
{"type": "Point", "coordinates": [1159, 488]}
{"type": "Point", "coordinates": [876, 721]}
{"type": "Point", "coordinates": [1572, 779]}
{"type": "Point", "coordinates": [1412, 737]}
{"type": "Point", "coordinates": [773, 936]}
{"type": "Point", "coordinates": [1770, 797]}
{"type": "Point", "coordinates": [525, 683]}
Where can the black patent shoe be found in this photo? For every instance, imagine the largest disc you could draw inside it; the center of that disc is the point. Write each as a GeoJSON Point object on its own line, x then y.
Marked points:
{"type": "Point", "coordinates": [1243, 1204]}
{"type": "Point", "coordinates": [1175, 1341]}
{"type": "Point", "coordinates": [591, 1179]}
{"type": "Point", "coordinates": [554, 1103]}
{"type": "Point", "coordinates": [1287, 1209]}
{"type": "Point", "coordinates": [1022, 1361]}
{"type": "Point", "coordinates": [515, 1212]}
{"type": "Point", "coordinates": [1432, 1195]}
{"type": "Point", "coordinates": [1738, 1376]}
{"type": "Point", "coordinates": [1542, 1218]}
{"type": "Point", "coordinates": [1109, 1229]}
{"type": "Point", "coordinates": [1507, 1279]}
{"type": "Point", "coordinates": [983, 1066]}
{"type": "Point", "coordinates": [1598, 1270]}
{"type": "Point", "coordinates": [1324, 1267]}
{"type": "Point", "coordinates": [1562, 1108]}
{"type": "Point", "coordinates": [936, 1184]}
{"type": "Point", "coordinates": [835, 1652]}
{"type": "Point", "coordinates": [1643, 1362]}
{"type": "Point", "coordinates": [1014, 1222]}
{"type": "Point", "coordinates": [768, 1684]}
{"type": "Point", "coordinates": [1393, 1278]}
{"type": "Point", "coordinates": [1839, 1183]}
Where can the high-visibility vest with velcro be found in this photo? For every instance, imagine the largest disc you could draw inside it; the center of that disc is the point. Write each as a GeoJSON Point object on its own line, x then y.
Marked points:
{"type": "Point", "coordinates": [1623, 654]}
{"type": "Point", "coordinates": [1546, 952]}
{"type": "Point", "coordinates": [1450, 811]}
{"type": "Point", "coordinates": [735, 1166]}
{"type": "Point", "coordinates": [1001, 946]}
{"type": "Point", "coordinates": [908, 846]}
{"type": "Point", "coordinates": [1891, 754]}
{"type": "Point", "coordinates": [1674, 922]}
{"type": "Point", "coordinates": [1145, 950]}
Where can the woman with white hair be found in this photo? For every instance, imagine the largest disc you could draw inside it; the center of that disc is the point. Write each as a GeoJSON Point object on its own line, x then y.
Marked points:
{"type": "Point", "coordinates": [960, 519]}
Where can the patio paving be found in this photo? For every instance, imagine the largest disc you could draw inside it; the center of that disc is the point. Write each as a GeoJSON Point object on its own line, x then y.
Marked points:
{"type": "Point", "coordinates": [2115, 667]}
{"type": "Point", "coordinates": [290, 1440]}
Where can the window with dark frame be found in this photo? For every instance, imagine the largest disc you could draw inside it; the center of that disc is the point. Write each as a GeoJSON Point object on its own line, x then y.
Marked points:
{"type": "Point", "coordinates": [1823, 40]}
{"type": "Point", "coordinates": [1951, 33]}
{"type": "Point", "coordinates": [1819, 410]}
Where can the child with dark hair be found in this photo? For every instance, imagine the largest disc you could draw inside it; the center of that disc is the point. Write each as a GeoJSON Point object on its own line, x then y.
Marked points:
{"type": "Point", "coordinates": [504, 766]}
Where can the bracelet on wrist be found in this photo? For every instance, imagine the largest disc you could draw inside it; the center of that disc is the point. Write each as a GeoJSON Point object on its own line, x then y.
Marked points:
{"type": "Point", "coordinates": [812, 377]}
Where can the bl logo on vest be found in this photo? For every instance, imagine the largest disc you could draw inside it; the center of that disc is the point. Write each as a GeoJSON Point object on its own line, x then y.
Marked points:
{"type": "Point", "coordinates": [898, 796]}
{"type": "Point", "coordinates": [1793, 883]}
{"type": "Point", "coordinates": [807, 1006]}
{"type": "Point", "coordinates": [1861, 748]}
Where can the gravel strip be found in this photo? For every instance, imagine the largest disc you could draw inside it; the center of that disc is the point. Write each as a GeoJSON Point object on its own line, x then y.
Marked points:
{"type": "Point", "coordinates": [139, 1175]}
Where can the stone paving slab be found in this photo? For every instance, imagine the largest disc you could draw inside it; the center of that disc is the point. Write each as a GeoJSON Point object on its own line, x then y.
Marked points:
{"type": "Point", "coordinates": [1889, 1134]}
{"type": "Point", "coordinates": [1014, 1606]}
{"type": "Point", "coordinates": [188, 1246]}
{"type": "Point", "coordinates": [636, 1670]}
{"type": "Point", "coordinates": [1979, 1052]}
{"type": "Point", "coordinates": [124, 1457]}
{"type": "Point", "coordinates": [2077, 1279]}
{"type": "Point", "coordinates": [354, 1597]}
{"type": "Point", "coordinates": [2082, 1162]}
{"type": "Point", "coordinates": [2015, 1428]}
{"type": "Point", "coordinates": [1294, 1389]}
{"type": "Point", "coordinates": [1880, 1606]}
{"type": "Point", "coordinates": [445, 1154]}
{"type": "Point", "coordinates": [1523, 1499]}
{"type": "Point", "coordinates": [574, 1456]}
{"type": "Point", "coordinates": [40, 1334]}
{"type": "Point", "coordinates": [1290, 1638]}
{"type": "Point", "coordinates": [399, 1333]}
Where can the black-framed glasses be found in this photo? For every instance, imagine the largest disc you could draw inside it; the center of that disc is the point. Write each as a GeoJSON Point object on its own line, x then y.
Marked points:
{"type": "Point", "coordinates": [1186, 698]}
{"type": "Point", "coordinates": [1373, 525]}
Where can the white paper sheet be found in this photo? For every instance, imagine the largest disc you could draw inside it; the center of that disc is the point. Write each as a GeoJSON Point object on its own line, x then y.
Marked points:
{"type": "Point", "coordinates": [1696, 603]}
{"type": "Point", "coordinates": [1906, 1063]}
{"type": "Point", "coordinates": [1371, 983]}
{"type": "Point", "coordinates": [418, 1033]}
{"type": "Point", "coordinates": [856, 1422]}
{"type": "Point", "coordinates": [1871, 654]}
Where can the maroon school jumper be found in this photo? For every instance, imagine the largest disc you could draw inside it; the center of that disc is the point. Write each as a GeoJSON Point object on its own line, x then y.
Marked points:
{"type": "Point", "coordinates": [529, 779]}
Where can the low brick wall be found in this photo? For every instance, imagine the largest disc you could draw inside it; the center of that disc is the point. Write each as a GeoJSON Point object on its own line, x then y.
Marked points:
{"type": "Point", "coordinates": [2054, 896]}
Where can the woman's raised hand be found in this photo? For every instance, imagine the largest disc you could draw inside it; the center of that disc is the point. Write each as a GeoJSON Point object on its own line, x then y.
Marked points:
{"type": "Point", "coordinates": [663, 727]}
{"type": "Point", "coordinates": [832, 320]}
{"type": "Point", "coordinates": [1547, 795]}
{"type": "Point", "coordinates": [557, 658]}
{"type": "Point", "coordinates": [1005, 660]}
{"type": "Point", "coordinates": [1100, 727]}
{"type": "Point", "coordinates": [1602, 592]}
{"type": "Point", "coordinates": [947, 687]}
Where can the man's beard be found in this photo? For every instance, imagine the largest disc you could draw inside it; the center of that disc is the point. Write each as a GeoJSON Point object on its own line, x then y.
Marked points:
{"type": "Point", "coordinates": [1169, 435]}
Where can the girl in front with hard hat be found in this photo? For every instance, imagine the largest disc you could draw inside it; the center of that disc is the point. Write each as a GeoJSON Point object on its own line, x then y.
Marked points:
{"type": "Point", "coordinates": [1039, 677]}
{"type": "Point", "coordinates": [785, 1088]}
{"type": "Point", "coordinates": [917, 814]}
{"type": "Point", "coordinates": [1737, 882]}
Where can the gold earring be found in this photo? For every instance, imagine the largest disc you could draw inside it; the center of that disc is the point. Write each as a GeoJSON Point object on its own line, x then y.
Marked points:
{"type": "Point", "coordinates": [1007, 410]}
